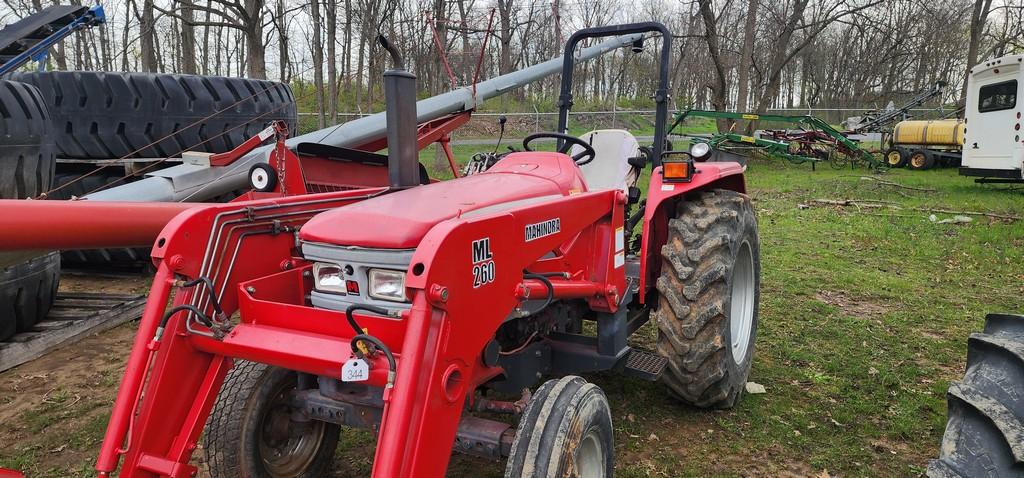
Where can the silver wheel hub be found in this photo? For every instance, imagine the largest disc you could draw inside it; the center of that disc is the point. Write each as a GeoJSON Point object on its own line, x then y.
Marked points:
{"type": "Point", "coordinates": [590, 456]}
{"type": "Point", "coordinates": [741, 308]}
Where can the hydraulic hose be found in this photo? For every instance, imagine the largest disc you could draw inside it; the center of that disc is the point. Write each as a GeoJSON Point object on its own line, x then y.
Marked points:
{"type": "Point", "coordinates": [174, 310]}
{"type": "Point", "coordinates": [361, 336]}
{"type": "Point", "coordinates": [543, 278]}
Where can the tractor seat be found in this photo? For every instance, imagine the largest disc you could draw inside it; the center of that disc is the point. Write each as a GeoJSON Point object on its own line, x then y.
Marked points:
{"type": "Point", "coordinates": [610, 168]}
{"type": "Point", "coordinates": [399, 220]}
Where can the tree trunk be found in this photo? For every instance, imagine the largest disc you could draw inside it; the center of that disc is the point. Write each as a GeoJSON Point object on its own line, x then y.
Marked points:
{"type": "Point", "coordinates": [188, 39]}
{"type": "Point", "coordinates": [332, 59]}
{"type": "Point", "coordinates": [256, 66]}
{"type": "Point", "coordinates": [282, 42]}
{"type": "Point", "coordinates": [505, 36]}
{"type": "Point", "coordinates": [719, 101]}
{"type": "Point", "coordinates": [317, 48]}
{"type": "Point", "coordinates": [979, 16]}
{"type": "Point", "coordinates": [347, 53]}
{"type": "Point", "coordinates": [147, 37]}
{"type": "Point", "coordinates": [747, 57]}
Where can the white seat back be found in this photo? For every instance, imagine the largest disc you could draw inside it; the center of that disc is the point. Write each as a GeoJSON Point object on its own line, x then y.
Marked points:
{"type": "Point", "coordinates": [610, 168]}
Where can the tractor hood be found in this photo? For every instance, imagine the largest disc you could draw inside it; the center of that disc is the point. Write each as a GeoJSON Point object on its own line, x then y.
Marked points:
{"type": "Point", "coordinates": [399, 220]}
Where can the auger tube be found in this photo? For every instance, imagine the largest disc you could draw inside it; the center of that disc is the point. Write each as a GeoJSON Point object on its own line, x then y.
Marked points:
{"type": "Point", "coordinates": [187, 182]}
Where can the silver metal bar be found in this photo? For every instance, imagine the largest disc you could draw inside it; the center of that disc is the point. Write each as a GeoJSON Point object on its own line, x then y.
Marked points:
{"type": "Point", "coordinates": [188, 182]}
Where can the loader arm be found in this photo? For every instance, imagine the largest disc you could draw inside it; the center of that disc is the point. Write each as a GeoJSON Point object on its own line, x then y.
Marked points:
{"type": "Point", "coordinates": [246, 249]}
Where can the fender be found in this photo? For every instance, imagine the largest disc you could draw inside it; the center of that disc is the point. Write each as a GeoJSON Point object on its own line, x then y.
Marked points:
{"type": "Point", "coordinates": [661, 200]}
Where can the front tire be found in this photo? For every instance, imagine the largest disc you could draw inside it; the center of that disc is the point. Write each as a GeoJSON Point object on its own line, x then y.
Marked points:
{"type": "Point", "coordinates": [566, 431]}
{"type": "Point", "coordinates": [985, 431]}
{"type": "Point", "coordinates": [895, 158]}
{"type": "Point", "coordinates": [708, 298]}
{"type": "Point", "coordinates": [250, 434]}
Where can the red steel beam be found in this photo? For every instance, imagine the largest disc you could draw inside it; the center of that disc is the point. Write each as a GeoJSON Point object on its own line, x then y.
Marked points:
{"type": "Point", "coordinates": [49, 225]}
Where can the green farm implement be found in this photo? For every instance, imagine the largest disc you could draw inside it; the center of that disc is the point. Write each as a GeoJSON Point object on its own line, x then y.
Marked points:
{"type": "Point", "coordinates": [816, 140]}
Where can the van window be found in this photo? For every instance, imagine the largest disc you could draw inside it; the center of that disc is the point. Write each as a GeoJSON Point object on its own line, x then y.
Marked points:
{"type": "Point", "coordinates": [997, 96]}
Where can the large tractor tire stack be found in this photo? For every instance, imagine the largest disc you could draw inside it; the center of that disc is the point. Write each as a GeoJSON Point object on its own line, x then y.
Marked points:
{"type": "Point", "coordinates": [144, 118]}
{"type": "Point", "coordinates": [94, 116]}
{"type": "Point", "coordinates": [105, 115]}
{"type": "Point", "coordinates": [26, 169]}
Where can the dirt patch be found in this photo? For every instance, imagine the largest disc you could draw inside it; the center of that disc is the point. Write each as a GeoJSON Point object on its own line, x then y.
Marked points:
{"type": "Point", "coordinates": [57, 405]}
{"type": "Point", "coordinates": [851, 306]}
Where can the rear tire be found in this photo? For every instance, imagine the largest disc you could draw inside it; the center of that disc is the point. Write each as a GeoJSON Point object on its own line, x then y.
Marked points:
{"type": "Point", "coordinates": [565, 431]}
{"type": "Point", "coordinates": [102, 115]}
{"type": "Point", "coordinates": [921, 159]}
{"type": "Point", "coordinates": [985, 429]}
{"type": "Point", "coordinates": [708, 298]}
{"type": "Point", "coordinates": [240, 438]}
{"type": "Point", "coordinates": [27, 161]}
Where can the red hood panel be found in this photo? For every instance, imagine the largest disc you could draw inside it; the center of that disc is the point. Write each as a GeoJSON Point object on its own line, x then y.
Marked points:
{"type": "Point", "coordinates": [400, 220]}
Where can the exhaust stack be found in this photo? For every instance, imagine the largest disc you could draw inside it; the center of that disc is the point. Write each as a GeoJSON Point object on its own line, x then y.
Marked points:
{"type": "Point", "coordinates": [400, 115]}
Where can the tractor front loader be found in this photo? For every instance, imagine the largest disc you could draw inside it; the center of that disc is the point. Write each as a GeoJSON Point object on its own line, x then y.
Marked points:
{"type": "Point", "coordinates": [422, 311]}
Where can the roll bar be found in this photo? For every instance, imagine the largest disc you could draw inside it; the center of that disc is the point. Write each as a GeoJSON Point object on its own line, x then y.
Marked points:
{"type": "Point", "coordinates": [661, 96]}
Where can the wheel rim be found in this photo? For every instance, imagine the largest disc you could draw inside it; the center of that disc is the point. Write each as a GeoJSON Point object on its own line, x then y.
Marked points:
{"type": "Point", "coordinates": [894, 158]}
{"type": "Point", "coordinates": [287, 449]}
{"type": "Point", "coordinates": [917, 160]}
{"type": "Point", "coordinates": [741, 313]}
{"type": "Point", "coordinates": [590, 456]}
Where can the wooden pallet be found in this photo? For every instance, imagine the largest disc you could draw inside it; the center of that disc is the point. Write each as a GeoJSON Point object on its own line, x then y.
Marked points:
{"type": "Point", "coordinates": [72, 317]}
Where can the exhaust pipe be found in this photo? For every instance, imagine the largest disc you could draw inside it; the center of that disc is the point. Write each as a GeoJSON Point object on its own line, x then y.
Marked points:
{"type": "Point", "coordinates": [400, 117]}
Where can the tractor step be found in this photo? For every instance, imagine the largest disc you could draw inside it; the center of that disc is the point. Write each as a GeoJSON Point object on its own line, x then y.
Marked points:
{"type": "Point", "coordinates": [645, 365]}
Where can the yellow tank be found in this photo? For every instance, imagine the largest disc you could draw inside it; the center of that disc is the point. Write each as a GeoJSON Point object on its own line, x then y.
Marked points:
{"type": "Point", "coordinates": [930, 133]}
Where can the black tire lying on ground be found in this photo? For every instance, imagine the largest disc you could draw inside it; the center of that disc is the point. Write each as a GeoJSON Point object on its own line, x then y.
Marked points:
{"type": "Point", "coordinates": [985, 428]}
{"type": "Point", "coordinates": [26, 142]}
{"type": "Point", "coordinates": [27, 291]}
{"type": "Point", "coordinates": [26, 170]}
{"type": "Point", "coordinates": [101, 115]}
{"type": "Point", "coordinates": [708, 298]}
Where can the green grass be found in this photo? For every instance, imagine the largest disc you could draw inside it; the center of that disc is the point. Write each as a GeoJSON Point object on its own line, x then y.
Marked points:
{"type": "Point", "coordinates": [863, 322]}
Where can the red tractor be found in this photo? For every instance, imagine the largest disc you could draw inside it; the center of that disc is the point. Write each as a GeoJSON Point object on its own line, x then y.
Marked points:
{"type": "Point", "coordinates": [409, 306]}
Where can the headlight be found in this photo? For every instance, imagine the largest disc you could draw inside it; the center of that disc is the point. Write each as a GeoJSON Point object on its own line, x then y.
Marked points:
{"type": "Point", "coordinates": [387, 285]}
{"type": "Point", "coordinates": [328, 278]}
{"type": "Point", "coordinates": [699, 150]}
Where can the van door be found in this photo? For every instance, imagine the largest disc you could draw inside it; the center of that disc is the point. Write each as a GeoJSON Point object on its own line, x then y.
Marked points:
{"type": "Point", "coordinates": [992, 130]}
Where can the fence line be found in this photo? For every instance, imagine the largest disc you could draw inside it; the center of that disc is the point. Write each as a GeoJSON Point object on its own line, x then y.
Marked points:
{"type": "Point", "coordinates": [645, 112]}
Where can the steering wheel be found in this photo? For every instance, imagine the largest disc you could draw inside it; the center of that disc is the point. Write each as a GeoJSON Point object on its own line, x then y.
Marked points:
{"type": "Point", "coordinates": [583, 157]}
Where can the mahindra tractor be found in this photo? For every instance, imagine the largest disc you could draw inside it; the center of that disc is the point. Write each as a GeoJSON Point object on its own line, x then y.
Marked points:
{"type": "Point", "coordinates": [440, 315]}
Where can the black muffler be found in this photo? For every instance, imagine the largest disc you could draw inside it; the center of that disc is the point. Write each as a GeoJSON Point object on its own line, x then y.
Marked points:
{"type": "Point", "coordinates": [400, 114]}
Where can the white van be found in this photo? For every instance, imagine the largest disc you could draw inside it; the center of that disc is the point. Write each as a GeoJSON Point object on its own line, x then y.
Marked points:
{"type": "Point", "coordinates": [993, 147]}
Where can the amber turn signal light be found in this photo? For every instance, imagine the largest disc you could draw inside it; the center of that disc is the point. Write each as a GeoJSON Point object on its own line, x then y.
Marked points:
{"type": "Point", "coordinates": [677, 169]}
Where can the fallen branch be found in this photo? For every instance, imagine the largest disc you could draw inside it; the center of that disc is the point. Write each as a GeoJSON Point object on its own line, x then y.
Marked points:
{"type": "Point", "coordinates": [970, 213]}
{"type": "Point", "coordinates": [867, 203]}
{"type": "Point", "coordinates": [894, 184]}
{"type": "Point", "coordinates": [874, 204]}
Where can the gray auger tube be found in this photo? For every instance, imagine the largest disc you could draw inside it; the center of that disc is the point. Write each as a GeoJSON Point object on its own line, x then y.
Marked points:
{"type": "Point", "coordinates": [187, 182]}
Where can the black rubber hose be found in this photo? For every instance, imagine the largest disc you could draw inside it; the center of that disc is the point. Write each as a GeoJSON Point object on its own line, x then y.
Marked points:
{"type": "Point", "coordinates": [551, 289]}
{"type": "Point", "coordinates": [369, 308]}
{"type": "Point", "coordinates": [174, 310]}
{"type": "Point", "coordinates": [209, 291]}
